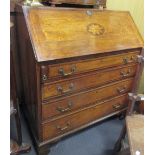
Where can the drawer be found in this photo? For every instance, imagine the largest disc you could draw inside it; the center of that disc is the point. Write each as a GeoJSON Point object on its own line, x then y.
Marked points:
{"type": "Point", "coordinates": [76, 101]}
{"type": "Point", "coordinates": [58, 127]}
{"type": "Point", "coordinates": [98, 78]}
{"type": "Point", "coordinates": [63, 70]}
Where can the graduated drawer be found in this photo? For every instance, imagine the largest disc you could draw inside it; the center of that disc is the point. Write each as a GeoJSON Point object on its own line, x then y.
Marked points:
{"type": "Point", "coordinates": [82, 99]}
{"type": "Point", "coordinates": [62, 70]}
{"type": "Point", "coordinates": [68, 123]}
{"type": "Point", "coordinates": [86, 81]}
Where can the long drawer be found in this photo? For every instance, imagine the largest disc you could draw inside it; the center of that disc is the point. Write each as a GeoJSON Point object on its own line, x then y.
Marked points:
{"type": "Point", "coordinates": [62, 70]}
{"type": "Point", "coordinates": [68, 86]}
{"type": "Point", "coordinates": [58, 127]}
{"type": "Point", "coordinates": [71, 103]}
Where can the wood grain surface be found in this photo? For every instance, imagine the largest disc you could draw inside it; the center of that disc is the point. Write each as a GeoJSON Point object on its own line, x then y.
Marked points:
{"type": "Point", "coordinates": [60, 126]}
{"type": "Point", "coordinates": [71, 85]}
{"type": "Point", "coordinates": [86, 98]}
{"type": "Point", "coordinates": [52, 72]}
{"type": "Point", "coordinates": [77, 67]}
{"type": "Point", "coordinates": [65, 33]}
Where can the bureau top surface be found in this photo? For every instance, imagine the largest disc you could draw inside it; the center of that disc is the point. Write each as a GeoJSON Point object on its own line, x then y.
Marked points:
{"type": "Point", "coordinates": [58, 33]}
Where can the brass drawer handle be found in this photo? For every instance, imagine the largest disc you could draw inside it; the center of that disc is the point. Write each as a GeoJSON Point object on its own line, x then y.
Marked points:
{"type": "Point", "coordinates": [129, 60]}
{"type": "Point", "coordinates": [62, 91]}
{"type": "Point", "coordinates": [63, 128]}
{"type": "Point", "coordinates": [62, 72]}
{"type": "Point", "coordinates": [69, 106]}
{"type": "Point", "coordinates": [125, 74]}
{"type": "Point", "coordinates": [116, 106]}
{"type": "Point", "coordinates": [121, 90]}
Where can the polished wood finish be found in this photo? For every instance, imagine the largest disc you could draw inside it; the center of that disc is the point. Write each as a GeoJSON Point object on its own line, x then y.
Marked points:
{"type": "Point", "coordinates": [53, 72]}
{"type": "Point", "coordinates": [85, 98]}
{"type": "Point", "coordinates": [71, 85]}
{"type": "Point", "coordinates": [74, 70]}
{"type": "Point", "coordinates": [60, 126]}
{"type": "Point", "coordinates": [60, 33]}
{"type": "Point", "coordinates": [29, 74]}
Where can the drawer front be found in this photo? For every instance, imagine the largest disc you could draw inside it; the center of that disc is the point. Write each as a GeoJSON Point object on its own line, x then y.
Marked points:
{"type": "Point", "coordinates": [71, 103]}
{"type": "Point", "coordinates": [60, 71]}
{"type": "Point", "coordinates": [98, 78]}
{"type": "Point", "coordinates": [60, 126]}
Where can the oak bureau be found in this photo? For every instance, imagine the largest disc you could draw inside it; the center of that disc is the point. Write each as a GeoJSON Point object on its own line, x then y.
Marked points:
{"type": "Point", "coordinates": [77, 67]}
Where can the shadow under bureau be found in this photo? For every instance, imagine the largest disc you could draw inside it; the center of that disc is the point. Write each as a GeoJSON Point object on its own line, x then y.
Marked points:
{"type": "Point", "coordinates": [77, 67]}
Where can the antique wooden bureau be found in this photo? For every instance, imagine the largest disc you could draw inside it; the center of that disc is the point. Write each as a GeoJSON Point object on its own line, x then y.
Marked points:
{"type": "Point", "coordinates": [77, 67]}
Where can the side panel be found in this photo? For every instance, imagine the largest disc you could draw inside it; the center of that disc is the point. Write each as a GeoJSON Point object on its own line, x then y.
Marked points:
{"type": "Point", "coordinates": [29, 71]}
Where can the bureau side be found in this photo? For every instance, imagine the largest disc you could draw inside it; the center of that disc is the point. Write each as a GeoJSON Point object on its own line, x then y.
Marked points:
{"type": "Point", "coordinates": [30, 74]}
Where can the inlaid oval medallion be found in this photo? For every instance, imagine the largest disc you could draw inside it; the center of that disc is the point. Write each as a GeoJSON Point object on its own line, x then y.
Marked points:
{"type": "Point", "coordinates": [95, 29]}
